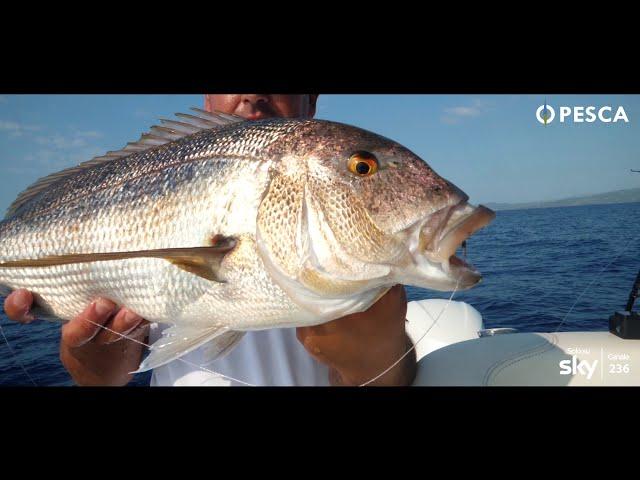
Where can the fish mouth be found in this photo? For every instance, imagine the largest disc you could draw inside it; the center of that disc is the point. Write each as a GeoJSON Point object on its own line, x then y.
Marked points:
{"type": "Point", "coordinates": [440, 242]}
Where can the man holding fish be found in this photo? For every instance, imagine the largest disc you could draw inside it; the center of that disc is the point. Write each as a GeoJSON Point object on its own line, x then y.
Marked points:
{"type": "Point", "coordinates": [347, 351]}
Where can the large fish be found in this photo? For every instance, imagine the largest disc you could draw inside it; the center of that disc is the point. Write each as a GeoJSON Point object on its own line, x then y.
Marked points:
{"type": "Point", "coordinates": [219, 226]}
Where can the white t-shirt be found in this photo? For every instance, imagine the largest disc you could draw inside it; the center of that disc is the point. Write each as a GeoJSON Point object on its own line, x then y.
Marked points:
{"type": "Point", "coordinates": [271, 357]}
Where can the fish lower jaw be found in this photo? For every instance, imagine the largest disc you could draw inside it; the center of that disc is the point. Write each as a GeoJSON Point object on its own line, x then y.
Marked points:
{"type": "Point", "coordinates": [443, 275]}
{"type": "Point", "coordinates": [437, 246]}
{"type": "Point", "coordinates": [465, 274]}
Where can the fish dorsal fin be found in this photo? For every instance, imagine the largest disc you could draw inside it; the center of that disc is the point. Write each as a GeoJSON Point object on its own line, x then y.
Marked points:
{"type": "Point", "coordinates": [168, 131]}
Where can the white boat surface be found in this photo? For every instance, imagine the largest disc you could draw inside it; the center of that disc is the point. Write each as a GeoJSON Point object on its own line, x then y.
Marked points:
{"type": "Point", "coordinates": [457, 350]}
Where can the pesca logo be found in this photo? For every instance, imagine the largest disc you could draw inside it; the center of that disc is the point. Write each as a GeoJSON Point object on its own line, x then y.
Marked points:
{"type": "Point", "coordinates": [545, 114]}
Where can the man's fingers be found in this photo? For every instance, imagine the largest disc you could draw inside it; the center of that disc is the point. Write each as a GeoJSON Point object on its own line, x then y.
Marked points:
{"type": "Point", "coordinates": [124, 322]}
{"type": "Point", "coordinates": [304, 335]}
{"type": "Point", "coordinates": [83, 328]}
{"type": "Point", "coordinates": [317, 341]}
{"type": "Point", "coordinates": [17, 306]}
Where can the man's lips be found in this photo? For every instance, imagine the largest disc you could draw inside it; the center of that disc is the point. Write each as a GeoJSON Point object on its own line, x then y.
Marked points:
{"type": "Point", "coordinates": [260, 114]}
{"type": "Point", "coordinates": [257, 116]}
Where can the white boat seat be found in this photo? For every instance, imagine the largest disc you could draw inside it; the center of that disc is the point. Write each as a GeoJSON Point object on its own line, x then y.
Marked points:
{"type": "Point", "coordinates": [534, 359]}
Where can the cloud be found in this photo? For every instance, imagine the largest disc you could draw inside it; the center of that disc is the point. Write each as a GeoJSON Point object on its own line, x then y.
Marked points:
{"type": "Point", "coordinates": [47, 151]}
{"type": "Point", "coordinates": [76, 140]}
{"type": "Point", "coordinates": [89, 134]}
{"type": "Point", "coordinates": [463, 111]}
{"type": "Point", "coordinates": [457, 114]}
{"type": "Point", "coordinates": [61, 142]}
{"type": "Point", "coordinates": [142, 113]}
{"type": "Point", "coordinates": [322, 104]}
{"type": "Point", "coordinates": [48, 160]}
{"type": "Point", "coordinates": [16, 129]}
{"type": "Point", "coordinates": [9, 126]}
{"type": "Point", "coordinates": [50, 153]}
{"type": "Point", "coordinates": [30, 171]}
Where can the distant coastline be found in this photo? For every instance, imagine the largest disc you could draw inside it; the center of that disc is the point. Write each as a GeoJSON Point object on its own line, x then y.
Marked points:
{"type": "Point", "coordinates": [630, 195]}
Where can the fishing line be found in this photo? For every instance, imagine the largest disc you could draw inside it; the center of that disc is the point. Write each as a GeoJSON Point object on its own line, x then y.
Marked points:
{"type": "Point", "coordinates": [435, 321]}
{"type": "Point", "coordinates": [413, 347]}
{"type": "Point", "coordinates": [419, 340]}
{"type": "Point", "coordinates": [596, 279]}
{"type": "Point", "coordinates": [15, 357]}
{"type": "Point", "coordinates": [200, 367]}
{"type": "Point", "coordinates": [191, 364]}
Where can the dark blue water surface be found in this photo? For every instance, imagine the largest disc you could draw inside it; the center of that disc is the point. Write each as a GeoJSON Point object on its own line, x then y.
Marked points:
{"type": "Point", "coordinates": [536, 263]}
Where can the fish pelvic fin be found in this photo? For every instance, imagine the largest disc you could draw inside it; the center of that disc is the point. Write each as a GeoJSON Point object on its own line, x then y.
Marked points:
{"type": "Point", "coordinates": [177, 341]}
{"type": "Point", "coordinates": [220, 346]}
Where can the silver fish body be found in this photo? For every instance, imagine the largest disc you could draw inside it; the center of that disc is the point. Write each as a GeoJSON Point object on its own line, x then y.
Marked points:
{"type": "Point", "coordinates": [245, 226]}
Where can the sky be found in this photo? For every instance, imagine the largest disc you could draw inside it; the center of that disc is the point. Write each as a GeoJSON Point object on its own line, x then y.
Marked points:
{"type": "Point", "coordinates": [491, 146]}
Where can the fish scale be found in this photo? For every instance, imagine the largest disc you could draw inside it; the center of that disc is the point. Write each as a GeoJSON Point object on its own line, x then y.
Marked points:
{"type": "Point", "coordinates": [239, 226]}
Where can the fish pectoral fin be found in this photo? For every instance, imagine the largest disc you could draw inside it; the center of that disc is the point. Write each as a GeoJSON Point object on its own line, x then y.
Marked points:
{"type": "Point", "coordinates": [202, 261]}
{"type": "Point", "coordinates": [220, 346]}
{"type": "Point", "coordinates": [177, 341]}
{"type": "Point", "coordinates": [204, 264]}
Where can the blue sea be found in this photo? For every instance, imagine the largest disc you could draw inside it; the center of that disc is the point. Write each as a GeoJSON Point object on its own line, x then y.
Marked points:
{"type": "Point", "coordinates": [536, 264]}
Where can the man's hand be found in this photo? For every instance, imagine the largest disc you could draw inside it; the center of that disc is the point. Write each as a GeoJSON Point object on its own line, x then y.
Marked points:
{"type": "Point", "coordinates": [92, 355]}
{"type": "Point", "coordinates": [360, 346]}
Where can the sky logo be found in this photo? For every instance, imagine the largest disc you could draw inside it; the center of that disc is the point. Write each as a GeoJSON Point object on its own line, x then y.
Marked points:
{"type": "Point", "coordinates": [545, 114]}
{"type": "Point", "coordinates": [573, 366]}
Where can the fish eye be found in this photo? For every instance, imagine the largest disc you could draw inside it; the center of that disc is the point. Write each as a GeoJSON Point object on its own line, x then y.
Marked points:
{"type": "Point", "coordinates": [363, 163]}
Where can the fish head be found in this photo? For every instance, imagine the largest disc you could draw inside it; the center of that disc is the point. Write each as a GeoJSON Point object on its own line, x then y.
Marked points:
{"type": "Point", "coordinates": [357, 211]}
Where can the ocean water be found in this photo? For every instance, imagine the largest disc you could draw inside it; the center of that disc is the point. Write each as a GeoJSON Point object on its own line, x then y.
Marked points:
{"type": "Point", "coordinates": [536, 264]}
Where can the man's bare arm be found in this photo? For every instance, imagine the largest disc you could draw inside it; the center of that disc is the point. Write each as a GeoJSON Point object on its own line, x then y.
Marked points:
{"type": "Point", "coordinates": [360, 346]}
